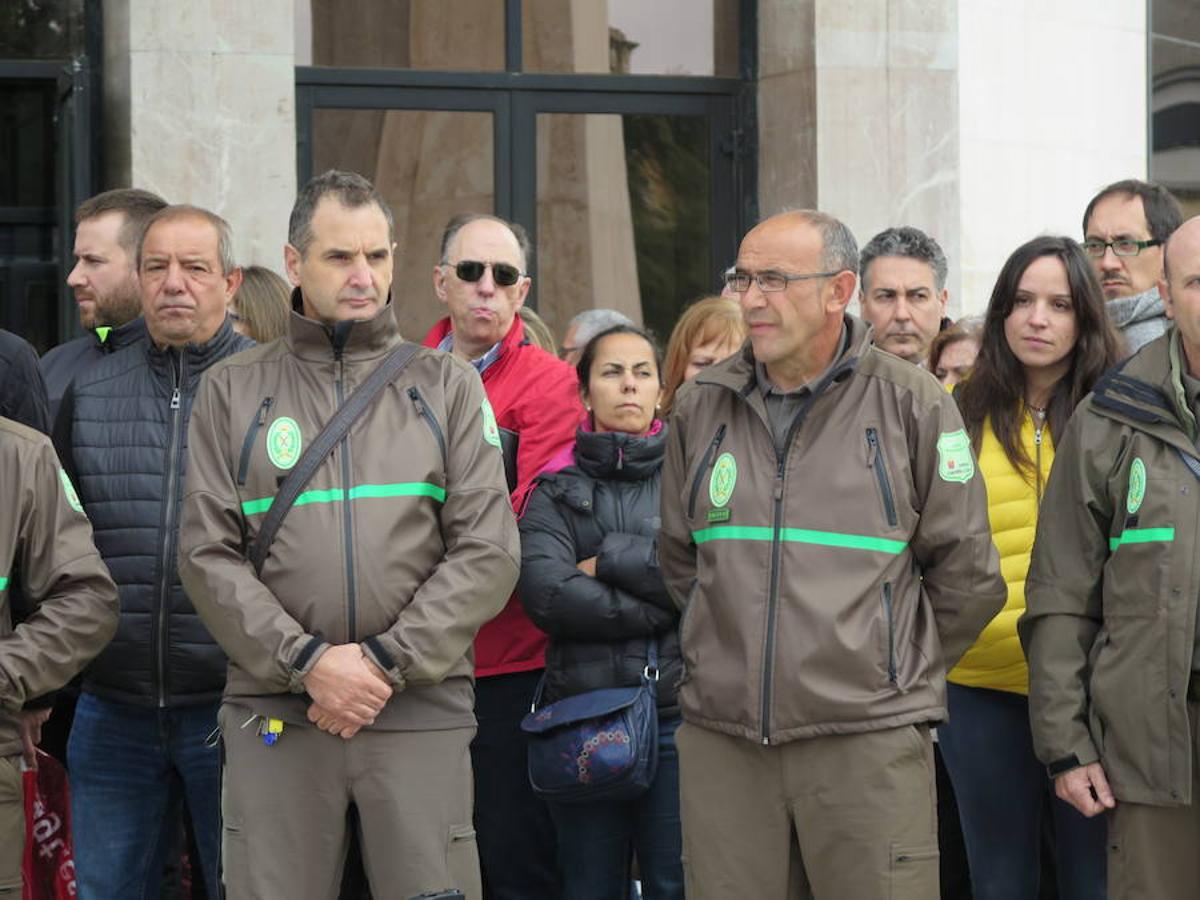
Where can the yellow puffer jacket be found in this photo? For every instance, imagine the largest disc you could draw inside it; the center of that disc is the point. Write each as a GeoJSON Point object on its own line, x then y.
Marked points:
{"type": "Point", "coordinates": [995, 659]}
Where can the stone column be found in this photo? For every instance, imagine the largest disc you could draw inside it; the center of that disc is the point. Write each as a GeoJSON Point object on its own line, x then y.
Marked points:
{"type": "Point", "coordinates": [199, 107]}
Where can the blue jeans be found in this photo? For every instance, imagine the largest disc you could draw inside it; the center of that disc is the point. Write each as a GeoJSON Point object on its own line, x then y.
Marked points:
{"type": "Point", "coordinates": [1003, 793]}
{"type": "Point", "coordinates": [596, 840]}
{"type": "Point", "coordinates": [126, 762]}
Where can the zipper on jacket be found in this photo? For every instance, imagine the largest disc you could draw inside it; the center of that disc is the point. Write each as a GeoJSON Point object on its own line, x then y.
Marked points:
{"type": "Point", "coordinates": [174, 440]}
{"type": "Point", "coordinates": [875, 460]}
{"type": "Point", "coordinates": [1037, 459]}
{"type": "Point", "coordinates": [347, 512]}
{"type": "Point", "coordinates": [425, 413]}
{"type": "Point", "coordinates": [705, 462]}
{"type": "Point", "coordinates": [256, 423]}
{"type": "Point", "coordinates": [891, 631]}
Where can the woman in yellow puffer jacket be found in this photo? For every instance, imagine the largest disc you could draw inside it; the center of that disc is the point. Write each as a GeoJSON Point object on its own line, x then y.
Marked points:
{"type": "Point", "coordinates": [1046, 340]}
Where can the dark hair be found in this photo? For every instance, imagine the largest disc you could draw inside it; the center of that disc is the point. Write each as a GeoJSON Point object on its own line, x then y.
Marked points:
{"type": "Point", "coordinates": [1163, 214]}
{"type": "Point", "coordinates": [138, 207]}
{"type": "Point", "coordinates": [907, 242]}
{"type": "Point", "coordinates": [967, 328]}
{"type": "Point", "coordinates": [996, 389]}
{"type": "Point", "coordinates": [225, 256]}
{"type": "Point", "coordinates": [459, 222]}
{"type": "Point", "coordinates": [350, 189]}
{"type": "Point", "coordinates": [583, 368]}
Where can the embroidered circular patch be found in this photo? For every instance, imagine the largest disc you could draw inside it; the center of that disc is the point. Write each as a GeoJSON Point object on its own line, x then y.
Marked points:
{"type": "Point", "coordinates": [723, 480]}
{"type": "Point", "coordinates": [284, 442]}
{"type": "Point", "coordinates": [1137, 485]}
{"type": "Point", "coordinates": [491, 431]}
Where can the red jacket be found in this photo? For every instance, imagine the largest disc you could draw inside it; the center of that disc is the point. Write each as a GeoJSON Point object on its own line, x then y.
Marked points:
{"type": "Point", "coordinates": [537, 396]}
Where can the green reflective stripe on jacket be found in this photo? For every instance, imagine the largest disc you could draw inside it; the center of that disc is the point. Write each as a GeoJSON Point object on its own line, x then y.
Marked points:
{"type": "Point", "coordinates": [799, 536]}
{"type": "Point", "coordinates": [3, 582]}
{"type": "Point", "coordinates": [1141, 536]}
{"type": "Point", "coordinates": [359, 492]}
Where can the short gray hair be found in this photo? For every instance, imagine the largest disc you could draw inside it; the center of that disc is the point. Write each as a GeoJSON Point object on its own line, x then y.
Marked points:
{"type": "Point", "coordinates": [839, 250]}
{"type": "Point", "coordinates": [350, 189]}
{"type": "Point", "coordinates": [908, 242]}
{"type": "Point", "coordinates": [225, 257]}
{"type": "Point", "coordinates": [591, 322]}
{"type": "Point", "coordinates": [462, 220]}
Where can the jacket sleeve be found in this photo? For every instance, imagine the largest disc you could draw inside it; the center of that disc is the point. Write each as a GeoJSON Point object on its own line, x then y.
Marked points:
{"type": "Point", "coordinates": [241, 612]}
{"type": "Point", "coordinates": [474, 579]}
{"type": "Point", "coordinates": [22, 390]}
{"type": "Point", "coordinates": [630, 562]}
{"type": "Point", "coordinates": [545, 424]}
{"type": "Point", "coordinates": [677, 552]}
{"type": "Point", "coordinates": [565, 602]}
{"type": "Point", "coordinates": [960, 568]}
{"type": "Point", "coordinates": [73, 597]}
{"type": "Point", "coordinates": [1063, 599]}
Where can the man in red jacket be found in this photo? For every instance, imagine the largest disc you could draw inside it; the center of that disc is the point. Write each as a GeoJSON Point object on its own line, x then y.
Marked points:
{"type": "Point", "coordinates": [482, 279]}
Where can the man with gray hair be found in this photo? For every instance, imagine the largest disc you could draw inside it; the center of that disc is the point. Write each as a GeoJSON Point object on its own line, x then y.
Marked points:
{"type": "Point", "coordinates": [902, 291]}
{"type": "Point", "coordinates": [149, 701]}
{"type": "Point", "coordinates": [825, 595]}
{"type": "Point", "coordinates": [585, 326]}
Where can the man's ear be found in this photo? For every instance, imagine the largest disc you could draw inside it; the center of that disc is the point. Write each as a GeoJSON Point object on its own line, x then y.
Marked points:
{"type": "Point", "coordinates": [291, 262]}
{"type": "Point", "coordinates": [439, 282]}
{"type": "Point", "coordinates": [1165, 292]}
{"type": "Point", "coordinates": [233, 281]}
{"type": "Point", "coordinates": [842, 287]}
{"type": "Point", "coordinates": [944, 299]}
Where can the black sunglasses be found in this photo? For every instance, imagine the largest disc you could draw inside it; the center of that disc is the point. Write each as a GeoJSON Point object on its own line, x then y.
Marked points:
{"type": "Point", "coordinates": [472, 270]}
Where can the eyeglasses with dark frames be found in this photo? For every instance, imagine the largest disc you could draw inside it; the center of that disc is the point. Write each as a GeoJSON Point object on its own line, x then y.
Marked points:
{"type": "Point", "coordinates": [768, 282]}
{"type": "Point", "coordinates": [1096, 248]}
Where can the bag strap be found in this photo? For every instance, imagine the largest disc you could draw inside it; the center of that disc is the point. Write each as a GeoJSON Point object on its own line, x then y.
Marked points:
{"type": "Point", "coordinates": [650, 673]}
{"type": "Point", "coordinates": [330, 436]}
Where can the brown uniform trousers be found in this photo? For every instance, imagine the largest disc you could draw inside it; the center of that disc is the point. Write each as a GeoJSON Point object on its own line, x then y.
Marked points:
{"type": "Point", "coordinates": [12, 826]}
{"type": "Point", "coordinates": [284, 809]}
{"type": "Point", "coordinates": [1154, 851]}
{"type": "Point", "coordinates": [841, 817]}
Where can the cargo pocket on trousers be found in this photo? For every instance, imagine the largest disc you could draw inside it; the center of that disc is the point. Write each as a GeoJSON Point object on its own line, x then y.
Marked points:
{"type": "Point", "coordinates": [914, 872]}
{"type": "Point", "coordinates": [462, 860]}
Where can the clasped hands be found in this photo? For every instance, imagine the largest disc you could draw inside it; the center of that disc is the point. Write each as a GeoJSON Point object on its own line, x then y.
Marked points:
{"type": "Point", "coordinates": [348, 691]}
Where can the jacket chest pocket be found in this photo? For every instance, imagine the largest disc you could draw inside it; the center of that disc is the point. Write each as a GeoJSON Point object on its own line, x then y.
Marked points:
{"type": "Point", "coordinates": [706, 470]}
{"type": "Point", "coordinates": [878, 468]}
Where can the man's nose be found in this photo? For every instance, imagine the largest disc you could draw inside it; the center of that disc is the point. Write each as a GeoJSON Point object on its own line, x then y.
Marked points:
{"type": "Point", "coordinates": [361, 274]}
{"type": "Point", "coordinates": [75, 277]}
{"type": "Point", "coordinates": [173, 279]}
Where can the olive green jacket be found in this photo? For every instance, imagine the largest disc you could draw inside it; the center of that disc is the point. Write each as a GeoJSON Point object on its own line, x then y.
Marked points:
{"type": "Point", "coordinates": [44, 534]}
{"type": "Point", "coordinates": [1112, 589]}
{"type": "Point", "coordinates": [826, 589]}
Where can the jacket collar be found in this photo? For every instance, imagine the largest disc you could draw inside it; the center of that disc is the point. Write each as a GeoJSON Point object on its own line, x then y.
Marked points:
{"type": "Point", "coordinates": [620, 456]}
{"type": "Point", "coordinates": [112, 339]}
{"type": "Point", "coordinates": [351, 339]}
{"type": "Point", "coordinates": [510, 342]}
{"type": "Point", "coordinates": [197, 357]}
{"type": "Point", "coordinates": [1146, 392]}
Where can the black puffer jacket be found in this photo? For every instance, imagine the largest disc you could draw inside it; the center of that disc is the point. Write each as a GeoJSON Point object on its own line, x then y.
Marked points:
{"type": "Point", "coordinates": [121, 434]}
{"type": "Point", "coordinates": [606, 505]}
{"type": "Point", "coordinates": [60, 365]}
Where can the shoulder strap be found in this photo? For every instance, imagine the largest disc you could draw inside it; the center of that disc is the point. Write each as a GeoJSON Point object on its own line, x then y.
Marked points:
{"type": "Point", "coordinates": [331, 435]}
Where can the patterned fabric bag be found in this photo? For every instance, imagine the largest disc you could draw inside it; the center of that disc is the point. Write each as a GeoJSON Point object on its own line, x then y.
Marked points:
{"type": "Point", "coordinates": [599, 745]}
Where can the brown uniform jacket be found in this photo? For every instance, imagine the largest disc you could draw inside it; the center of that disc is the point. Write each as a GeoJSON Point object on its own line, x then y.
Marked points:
{"type": "Point", "coordinates": [44, 534]}
{"type": "Point", "coordinates": [826, 590]}
{"type": "Point", "coordinates": [1111, 596]}
{"type": "Point", "coordinates": [403, 540]}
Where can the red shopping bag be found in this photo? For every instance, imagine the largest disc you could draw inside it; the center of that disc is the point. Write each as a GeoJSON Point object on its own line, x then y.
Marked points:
{"type": "Point", "coordinates": [49, 865]}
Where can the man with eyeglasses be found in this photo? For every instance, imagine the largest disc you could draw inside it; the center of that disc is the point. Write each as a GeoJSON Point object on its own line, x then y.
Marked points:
{"type": "Point", "coordinates": [824, 531]}
{"type": "Point", "coordinates": [482, 277]}
{"type": "Point", "coordinates": [1124, 228]}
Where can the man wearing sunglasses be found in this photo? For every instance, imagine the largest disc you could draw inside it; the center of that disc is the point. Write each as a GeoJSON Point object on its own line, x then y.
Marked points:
{"type": "Point", "coordinates": [481, 277]}
{"type": "Point", "coordinates": [1124, 228]}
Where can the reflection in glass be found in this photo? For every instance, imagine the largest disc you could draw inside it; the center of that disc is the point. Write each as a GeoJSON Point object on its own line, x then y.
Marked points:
{"type": "Point", "coordinates": [41, 29]}
{"type": "Point", "coordinates": [430, 166]}
{"type": "Point", "coordinates": [664, 37]}
{"type": "Point", "coordinates": [1175, 99]}
{"type": "Point", "coordinates": [457, 35]}
{"type": "Point", "coordinates": [623, 216]}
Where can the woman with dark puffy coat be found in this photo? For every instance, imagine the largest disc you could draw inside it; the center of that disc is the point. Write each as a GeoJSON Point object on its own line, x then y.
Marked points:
{"type": "Point", "coordinates": [590, 580]}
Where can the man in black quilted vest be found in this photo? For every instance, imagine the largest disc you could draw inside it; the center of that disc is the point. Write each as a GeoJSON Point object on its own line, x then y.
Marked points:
{"type": "Point", "coordinates": [150, 699]}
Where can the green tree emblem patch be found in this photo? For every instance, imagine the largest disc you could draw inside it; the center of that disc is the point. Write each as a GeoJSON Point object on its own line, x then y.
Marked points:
{"type": "Point", "coordinates": [69, 490]}
{"type": "Point", "coordinates": [491, 431]}
{"type": "Point", "coordinates": [1137, 485]}
{"type": "Point", "coordinates": [284, 442]}
{"type": "Point", "coordinates": [723, 480]}
{"type": "Point", "coordinates": [955, 462]}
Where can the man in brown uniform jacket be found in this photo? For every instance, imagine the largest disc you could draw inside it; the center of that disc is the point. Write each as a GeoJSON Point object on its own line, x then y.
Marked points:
{"type": "Point", "coordinates": [350, 677]}
{"type": "Point", "coordinates": [45, 534]}
{"type": "Point", "coordinates": [1111, 629]}
{"type": "Point", "coordinates": [827, 536]}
